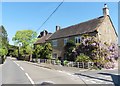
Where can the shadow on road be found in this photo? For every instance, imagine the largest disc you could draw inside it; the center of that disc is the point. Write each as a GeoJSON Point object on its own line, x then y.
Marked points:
{"type": "Point", "coordinates": [115, 78]}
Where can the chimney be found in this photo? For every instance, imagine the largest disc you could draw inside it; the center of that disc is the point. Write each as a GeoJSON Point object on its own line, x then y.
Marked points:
{"type": "Point", "coordinates": [105, 10]}
{"type": "Point", "coordinates": [44, 33]}
{"type": "Point", "coordinates": [57, 28]}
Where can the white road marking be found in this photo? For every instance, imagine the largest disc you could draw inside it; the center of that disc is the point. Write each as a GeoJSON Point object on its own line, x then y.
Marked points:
{"type": "Point", "coordinates": [98, 80]}
{"type": "Point", "coordinates": [116, 74]}
{"type": "Point", "coordinates": [32, 82]}
{"type": "Point", "coordinates": [100, 77]}
{"type": "Point", "coordinates": [87, 80]}
{"type": "Point", "coordinates": [93, 81]}
{"type": "Point", "coordinates": [22, 68]}
{"type": "Point", "coordinates": [16, 63]}
{"type": "Point", "coordinates": [60, 71]}
{"type": "Point", "coordinates": [107, 76]}
{"type": "Point", "coordinates": [69, 74]}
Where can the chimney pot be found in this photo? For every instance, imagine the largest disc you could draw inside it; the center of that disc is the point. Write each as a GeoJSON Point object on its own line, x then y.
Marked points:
{"type": "Point", "coordinates": [44, 33]}
{"type": "Point", "coordinates": [105, 10]}
{"type": "Point", "coordinates": [57, 28]}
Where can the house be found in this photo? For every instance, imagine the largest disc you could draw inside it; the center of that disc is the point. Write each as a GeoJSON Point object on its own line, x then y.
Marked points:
{"type": "Point", "coordinates": [44, 35]}
{"type": "Point", "coordinates": [101, 27]}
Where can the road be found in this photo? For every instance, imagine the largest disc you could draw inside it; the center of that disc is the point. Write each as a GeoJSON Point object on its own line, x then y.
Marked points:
{"type": "Point", "coordinates": [100, 77]}
{"type": "Point", "coordinates": [21, 72]}
{"type": "Point", "coordinates": [0, 74]}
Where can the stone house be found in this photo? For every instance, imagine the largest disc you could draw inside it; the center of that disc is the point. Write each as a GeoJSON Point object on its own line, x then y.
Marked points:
{"type": "Point", "coordinates": [101, 27]}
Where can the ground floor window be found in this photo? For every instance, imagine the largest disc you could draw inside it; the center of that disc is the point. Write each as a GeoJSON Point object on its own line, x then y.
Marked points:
{"type": "Point", "coordinates": [54, 55]}
{"type": "Point", "coordinates": [77, 39]}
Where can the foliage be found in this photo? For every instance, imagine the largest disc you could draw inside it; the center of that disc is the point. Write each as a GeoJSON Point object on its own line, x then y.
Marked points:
{"type": "Point", "coordinates": [3, 51]}
{"type": "Point", "coordinates": [38, 51]}
{"type": "Point", "coordinates": [26, 38]}
{"type": "Point", "coordinates": [58, 62]}
{"type": "Point", "coordinates": [100, 53]}
{"type": "Point", "coordinates": [3, 37]}
{"type": "Point", "coordinates": [82, 58]}
{"type": "Point", "coordinates": [43, 51]}
{"type": "Point", "coordinates": [3, 41]}
{"type": "Point", "coordinates": [65, 62]}
{"type": "Point", "coordinates": [69, 51]}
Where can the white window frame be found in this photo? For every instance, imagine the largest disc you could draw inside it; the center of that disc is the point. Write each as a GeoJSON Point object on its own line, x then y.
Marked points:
{"type": "Point", "coordinates": [78, 38]}
{"type": "Point", "coordinates": [65, 41]}
{"type": "Point", "coordinates": [54, 43]}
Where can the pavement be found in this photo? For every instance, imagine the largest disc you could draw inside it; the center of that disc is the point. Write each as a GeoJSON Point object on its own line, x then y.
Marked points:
{"type": "Point", "coordinates": [59, 67]}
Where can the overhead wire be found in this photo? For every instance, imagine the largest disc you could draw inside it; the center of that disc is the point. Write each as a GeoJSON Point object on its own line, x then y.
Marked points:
{"type": "Point", "coordinates": [50, 16]}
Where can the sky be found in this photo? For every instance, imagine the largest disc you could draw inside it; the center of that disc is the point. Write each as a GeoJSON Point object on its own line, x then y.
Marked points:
{"type": "Point", "coordinates": [30, 15]}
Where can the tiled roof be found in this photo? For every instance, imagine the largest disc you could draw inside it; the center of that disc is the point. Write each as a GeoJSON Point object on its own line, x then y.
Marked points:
{"type": "Point", "coordinates": [84, 27]}
{"type": "Point", "coordinates": [43, 39]}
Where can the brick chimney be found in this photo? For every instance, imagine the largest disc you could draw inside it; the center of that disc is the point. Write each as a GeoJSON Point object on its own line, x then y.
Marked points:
{"type": "Point", "coordinates": [44, 33]}
{"type": "Point", "coordinates": [105, 10]}
{"type": "Point", "coordinates": [57, 28]}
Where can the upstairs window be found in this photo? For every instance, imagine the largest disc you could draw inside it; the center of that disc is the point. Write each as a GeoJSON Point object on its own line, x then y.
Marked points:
{"type": "Point", "coordinates": [77, 39]}
{"type": "Point", "coordinates": [54, 43]}
{"type": "Point", "coordinates": [65, 41]}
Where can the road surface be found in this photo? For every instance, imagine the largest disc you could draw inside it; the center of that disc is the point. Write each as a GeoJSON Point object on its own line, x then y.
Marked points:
{"type": "Point", "coordinates": [21, 72]}
{"type": "Point", "coordinates": [0, 74]}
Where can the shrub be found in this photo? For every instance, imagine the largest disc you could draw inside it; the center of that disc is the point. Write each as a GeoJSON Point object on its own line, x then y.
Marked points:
{"type": "Point", "coordinates": [82, 58]}
{"type": "Point", "coordinates": [65, 62]}
{"type": "Point", "coordinates": [58, 62]}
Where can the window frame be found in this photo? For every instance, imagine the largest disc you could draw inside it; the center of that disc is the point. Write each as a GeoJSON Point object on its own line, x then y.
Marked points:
{"type": "Point", "coordinates": [65, 41]}
{"type": "Point", "coordinates": [54, 43]}
{"type": "Point", "coordinates": [77, 39]}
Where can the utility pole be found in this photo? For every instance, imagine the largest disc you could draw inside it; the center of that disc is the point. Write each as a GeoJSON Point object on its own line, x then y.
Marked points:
{"type": "Point", "coordinates": [19, 51]}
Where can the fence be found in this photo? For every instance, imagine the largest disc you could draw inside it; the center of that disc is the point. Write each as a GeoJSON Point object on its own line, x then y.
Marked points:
{"type": "Point", "coordinates": [84, 65]}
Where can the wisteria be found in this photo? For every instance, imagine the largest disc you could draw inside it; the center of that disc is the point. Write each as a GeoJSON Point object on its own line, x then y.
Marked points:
{"type": "Point", "coordinates": [102, 54]}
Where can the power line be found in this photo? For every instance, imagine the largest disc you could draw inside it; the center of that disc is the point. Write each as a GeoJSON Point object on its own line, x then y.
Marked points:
{"type": "Point", "coordinates": [50, 15]}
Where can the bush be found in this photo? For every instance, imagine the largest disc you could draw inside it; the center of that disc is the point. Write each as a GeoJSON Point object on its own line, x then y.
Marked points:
{"type": "Point", "coordinates": [65, 62]}
{"type": "Point", "coordinates": [82, 58]}
{"type": "Point", "coordinates": [58, 62]}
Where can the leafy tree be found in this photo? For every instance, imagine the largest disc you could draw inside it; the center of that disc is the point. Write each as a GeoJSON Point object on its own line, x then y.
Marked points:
{"type": "Point", "coordinates": [47, 51]}
{"type": "Point", "coordinates": [38, 51]}
{"type": "Point", "coordinates": [69, 51]}
{"type": "Point", "coordinates": [26, 38]}
{"type": "Point", "coordinates": [43, 51]}
{"type": "Point", "coordinates": [3, 41]}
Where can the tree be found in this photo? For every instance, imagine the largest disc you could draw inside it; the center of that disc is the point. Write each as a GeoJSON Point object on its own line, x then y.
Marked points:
{"type": "Point", "coordinates": [47, 51]}
{"type": "Point", "coordinates": [38, 51]}
{"type": "Point", "coordinates": [3, 41]}
{"type": "Point", "coordinates": [26, 38]}
{"type": "Point", "coordinates": [43, 51]}
{"type": "Point", "coordinates": [69, 51]}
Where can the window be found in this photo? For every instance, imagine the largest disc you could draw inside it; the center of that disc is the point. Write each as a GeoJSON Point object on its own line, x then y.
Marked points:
{"type": "Point", "coordinates": [77, 39]}
{"type": "Point", "coordinates": [54, 42]}
{"type": "Point", "coordinates": [65, 41]}
{"type": "Point", "coordinates": [54, 55]}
